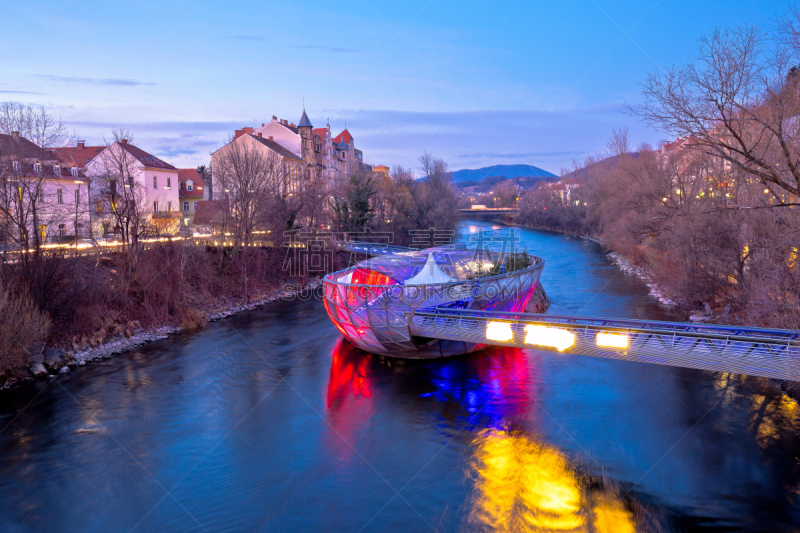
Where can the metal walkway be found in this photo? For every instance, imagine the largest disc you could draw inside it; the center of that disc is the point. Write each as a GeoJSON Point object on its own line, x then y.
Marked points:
{"type": "Point", "coordinates": [740, 350]}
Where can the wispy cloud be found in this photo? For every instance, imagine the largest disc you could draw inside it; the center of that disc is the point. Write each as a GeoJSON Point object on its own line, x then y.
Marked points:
{"type": "Point", "coordinates": [18, 92]}
{"type": "Point", "coordinates": [323, 48]}
{"type": "Point", "coordinates": [94, 81]}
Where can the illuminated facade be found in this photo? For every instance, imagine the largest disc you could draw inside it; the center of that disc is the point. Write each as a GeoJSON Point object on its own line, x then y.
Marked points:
{"type": "Point", "coordinates": [372, 303]}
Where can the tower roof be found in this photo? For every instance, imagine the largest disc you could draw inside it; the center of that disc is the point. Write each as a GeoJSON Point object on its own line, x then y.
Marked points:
{"type": "Point", "coordinates": [304, 122]}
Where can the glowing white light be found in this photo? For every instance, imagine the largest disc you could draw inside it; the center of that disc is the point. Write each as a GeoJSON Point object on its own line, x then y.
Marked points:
{"type": "Point", "coordinates": [560, 339]}
{"type": "Point", "coordinates": [612, 340]}
{"type": "Point", "coordinates": [499, 331]}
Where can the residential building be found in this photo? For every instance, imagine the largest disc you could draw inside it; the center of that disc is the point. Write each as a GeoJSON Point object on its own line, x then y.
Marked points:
{"type": "Point", "coordinates": [290, 169]}
{"type": "Point", "coordinates": [192, 192]}
{"type": "Point", "coordinates": [125, 177]}
{"type": "Point", "coordinates": [41, 200]}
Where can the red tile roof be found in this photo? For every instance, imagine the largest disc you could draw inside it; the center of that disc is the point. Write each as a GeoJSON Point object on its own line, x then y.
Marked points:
{"type": "Point", "coordinates": [144, 158]}
{"type": "Point", "coordinates": [343, 137]}
{"type": "Point", "coordinates": [19, 147]}
{"type": "Point", "coordinates": [321, 133]}
{"type": "Point", "coordinates": [76, 156]}
{"type": "Point", "coordinates": [186, 174]}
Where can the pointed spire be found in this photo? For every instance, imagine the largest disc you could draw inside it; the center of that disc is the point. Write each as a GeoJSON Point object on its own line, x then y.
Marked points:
{"type": "Point", "coordinates": [304, 122]}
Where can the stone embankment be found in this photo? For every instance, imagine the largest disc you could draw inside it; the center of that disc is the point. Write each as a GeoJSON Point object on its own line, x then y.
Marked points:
{"type": "Point", "coordinates": [51, 361]}
{"type": "Point", "coordinates": [644, 275]}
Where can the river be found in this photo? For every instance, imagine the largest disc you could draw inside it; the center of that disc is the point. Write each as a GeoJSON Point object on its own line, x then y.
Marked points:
{"type": "Point", "coordinates": [268, 421]}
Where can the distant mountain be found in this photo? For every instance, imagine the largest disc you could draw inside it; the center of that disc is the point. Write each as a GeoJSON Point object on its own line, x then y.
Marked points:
{"type": "Point", "coordinates": [509, 171]}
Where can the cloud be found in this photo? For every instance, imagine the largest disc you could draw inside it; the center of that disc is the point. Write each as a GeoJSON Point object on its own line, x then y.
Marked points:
{"type": "Point", "coordinates": [19, 92]}
{"type": "Point", "coordinates": [246, 38]}
{"type": "Point", "coordinates": [573, 153]}
{"type": "Point", "coordinates": [322, 48]}
{"type": "Point", "coordinates": [94, 81]}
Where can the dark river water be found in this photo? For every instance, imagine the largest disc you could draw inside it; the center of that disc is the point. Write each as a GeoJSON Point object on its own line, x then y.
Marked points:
{"type": "Point", "coordinates": [268, 421]}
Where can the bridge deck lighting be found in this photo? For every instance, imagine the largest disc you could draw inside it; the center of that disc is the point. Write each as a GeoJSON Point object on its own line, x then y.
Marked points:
{"type": "Point", "coordinates": [499, 331]}
{"type": "Point", "coordinates": [612, 340]}
{"type": "Point", "coordinates": [560, 339]}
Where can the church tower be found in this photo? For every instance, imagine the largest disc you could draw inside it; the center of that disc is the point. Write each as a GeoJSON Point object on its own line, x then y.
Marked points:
{"type": "Point", "coordinates": [307, 144]}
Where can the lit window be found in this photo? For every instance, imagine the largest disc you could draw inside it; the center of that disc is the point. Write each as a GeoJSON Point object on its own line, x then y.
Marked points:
{"type": "Point", "coordinates": [189, 186]}
{"type": "Point", "coordinates": [99, 206]}
{"type": "Point", "coordinates": [169, 206]}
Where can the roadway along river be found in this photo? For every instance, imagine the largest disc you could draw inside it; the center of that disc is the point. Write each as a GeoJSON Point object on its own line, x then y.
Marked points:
{"type": "Point", "coordinates": [268, 421]}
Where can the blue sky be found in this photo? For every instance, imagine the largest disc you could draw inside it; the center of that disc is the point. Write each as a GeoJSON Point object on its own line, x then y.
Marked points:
{"type": "Point", "coordinates": [477, 83]}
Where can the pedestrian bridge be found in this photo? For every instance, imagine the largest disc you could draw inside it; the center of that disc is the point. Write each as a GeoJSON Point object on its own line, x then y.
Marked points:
{"type": "Point", "coordinates": [769, 353]}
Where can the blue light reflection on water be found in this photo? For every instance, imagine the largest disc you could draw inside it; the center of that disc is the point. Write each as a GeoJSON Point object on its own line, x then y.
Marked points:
{"type": "Point", "coordinates": [269, 421]}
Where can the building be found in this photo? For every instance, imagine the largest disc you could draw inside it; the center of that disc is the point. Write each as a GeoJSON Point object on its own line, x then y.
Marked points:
{"type": "Point", "coordinates": [191, 192]}
{"type": "Point", "coordinates": [41, 200]}
{"type": "Point", "coordinates": [381, 169]}
{"type": "Point", "coordinates": [127, 183]}
{"type": "Point", "coordinates": [326, 157]}
{"type": "Point", "coordinates": [289, 170]}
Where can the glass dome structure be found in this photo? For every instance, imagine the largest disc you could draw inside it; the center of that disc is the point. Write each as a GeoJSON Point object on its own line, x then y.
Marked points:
{"type": "Point", "coordinates": [372, 302]}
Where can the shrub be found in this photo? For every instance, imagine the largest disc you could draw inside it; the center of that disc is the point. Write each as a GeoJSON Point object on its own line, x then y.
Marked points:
{"type": "Point", "coordinates": [22, 324]}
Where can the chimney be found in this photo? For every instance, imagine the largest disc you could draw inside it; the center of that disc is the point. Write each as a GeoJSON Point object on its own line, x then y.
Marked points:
{"type": "Point", "coordinates": [124, 141]}
{"type": "Point", "coordinates": [15, 135]}
{"type": "Point", "coordinates": [81, 145]}
{"type": "Point", "coordinates": [259, 134]}
{"type": "Point", "coordinates": [270, 137]}
{"type": "Point", "coordinates": [292, 124]}
{"type": "Point", "coordinates": [274, 117]}
{"type": "Point", "coordinates": [238, 133]}
{"type": "Point", "coordinates": [262, 124]}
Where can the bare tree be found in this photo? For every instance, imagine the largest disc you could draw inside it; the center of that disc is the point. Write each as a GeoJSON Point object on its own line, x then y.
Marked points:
{"type": "Point", "coordinates": [257, 188]}
{"type": "Point", "coordinates": [738, 100]}
{"type": "Point", "coordinates": [619, 143]}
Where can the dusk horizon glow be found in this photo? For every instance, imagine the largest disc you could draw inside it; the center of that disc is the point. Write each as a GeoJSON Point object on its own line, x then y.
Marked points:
{"type": "Point", "coordinates": [477, 85]}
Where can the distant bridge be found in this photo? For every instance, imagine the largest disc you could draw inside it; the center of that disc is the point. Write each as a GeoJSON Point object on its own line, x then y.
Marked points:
{"type": "Point", "coordinates": [770, 353]}
{"type": "Point", "coordinates": [501, 214]}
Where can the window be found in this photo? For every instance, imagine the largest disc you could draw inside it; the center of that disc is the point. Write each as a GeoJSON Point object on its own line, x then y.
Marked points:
{"type": "Point", "coordinates": [41, 194]}
{"type": "Point", "coordinates": [56, 170]}
{"type": "Point", "coordinates": [99, 206]}
{"type": "Point", "coordinates": [155, 207]}
{"type": "Point", "coordinates": [112, 185]}
{"type": "Point", "coordinates": [16, 166]}
{"type": "Point", "coordinates": [169, 206]}
{"type": "Point", "coordinates": [195, 206]}
{"type": "Point", "coordinates": [189, 186]}
{"type": "Point", "coordinates": [169, 182]}
{"type": "Point", "coordinates": [155, 182]}
{"type": "Point", "coordinates": [185, 206]}
{"type": "Point", "coordinates": [78, 195]}
{"type": "Point", "coordinates": [78, 230]}
{"type": "Point", "coordinates": [37, 167]}
{"type": "Point", "coordinates": [43, 232]}
{"type": "Point", "coordinates": [62, 229]}
{"type": "Point", "coordinates": [106, 228]}
{"type": "Point", "coordinates": [60, 196]}
{"type": "Point", "coordinates": [74, 172]}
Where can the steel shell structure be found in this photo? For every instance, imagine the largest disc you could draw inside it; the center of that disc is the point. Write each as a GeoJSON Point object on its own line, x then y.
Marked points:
{"type": "Point", "coordinates": [372, 304]}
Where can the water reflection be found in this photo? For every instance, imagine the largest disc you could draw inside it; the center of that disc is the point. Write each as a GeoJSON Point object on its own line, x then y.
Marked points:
{"type": "Point", "coordinates": [517, 481]}
{"type": "Point", "coordinates": [525, 485]}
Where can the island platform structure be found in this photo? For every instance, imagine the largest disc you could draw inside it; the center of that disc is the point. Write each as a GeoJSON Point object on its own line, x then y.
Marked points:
{"type": "Point", "coordinates": [373, 303]}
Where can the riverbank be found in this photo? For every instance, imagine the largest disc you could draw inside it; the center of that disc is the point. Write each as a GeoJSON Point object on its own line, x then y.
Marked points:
{"type": "Point", "coordinates": [627, 265]}
{"type": "Point", "coordinates": [62, 359]}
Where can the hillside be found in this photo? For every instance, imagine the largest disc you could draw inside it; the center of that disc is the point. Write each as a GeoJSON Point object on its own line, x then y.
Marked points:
{"type": "Point", "coordinates": [509, 171]}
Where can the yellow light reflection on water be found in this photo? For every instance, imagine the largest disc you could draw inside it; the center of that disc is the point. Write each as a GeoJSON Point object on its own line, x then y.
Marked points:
{"type": "Point", "coordinates": [524, 485]}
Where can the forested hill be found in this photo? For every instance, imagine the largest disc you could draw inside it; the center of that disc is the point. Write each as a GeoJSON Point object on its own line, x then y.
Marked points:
{"type": "Point", "coordinates": [509, 171]}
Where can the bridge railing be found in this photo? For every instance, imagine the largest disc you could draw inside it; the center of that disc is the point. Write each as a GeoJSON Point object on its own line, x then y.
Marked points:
{"type": "Point", "coordinates": [768, 353]}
